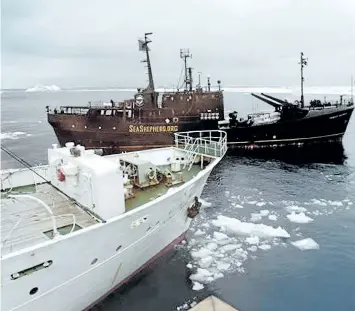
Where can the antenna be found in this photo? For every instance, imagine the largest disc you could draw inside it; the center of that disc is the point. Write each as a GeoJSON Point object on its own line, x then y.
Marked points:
{"type": "Point", "coordinates": [303, 63]}
{"type": "Point", "coordinates": [185, 54]}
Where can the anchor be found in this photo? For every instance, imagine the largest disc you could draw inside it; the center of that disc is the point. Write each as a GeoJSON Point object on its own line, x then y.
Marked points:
{"type": "Point", "coordinates": [194, 209]}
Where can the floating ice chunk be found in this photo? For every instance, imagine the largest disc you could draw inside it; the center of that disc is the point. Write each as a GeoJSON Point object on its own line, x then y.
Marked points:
{"type": "Point", "coordinates": [200, 232]}
{"type": "Point", "coordinates": [212, 246]}
{"type": "Point", "coordinates": [197, 286]}
{"type": "Point", "coordinates": [253, 240]}
{"type": "Point", "coordinates": [205, 203]}
{"type": "Point", "coordinates": [252, 202]}
{"type": "Point", "coordinates": [306, 244]}
{"type": "Point", "coordinates": [255, 217]}
{"type": "Point", "coordinates": [220, 236]}
{"type": "Point", "coordinates": [253, 248]}
{"type": "Point", "coordinates": [201, 275]}
{"type": "Point", "coordinates": [223, 266]}
{"type": "Point", "coordinates": [260, 204]}
{"type": "Point", "coordinates": [14, 135]}
{"type": "Point", "coordinates": [300, 218]}
{"type": "Point", "coordinates": [230, 247]}
{"type": "Point", "coordinates": [206, 261]}
{"type": "Point", "coordinates": [265, 247]}
{"type": "Point", "coordinates": [318, 202]}
{"type": "Point", "coordinates": [235, 226]}
{"type": "Point", "coordinates": [272, 217]}
{"type": "Point", "coordinates": [295, 208]}
{"type": "Point", "coordinates": [218, 275]}
{"type": "Point", "coordinates": [264, 212]}
{"type": "Point", "coordinates": [189, 266]}
{"type": "Point", "coordinates": [335, 203]}
{"type": "Point", "coordinates": [241, 254]}
{"type": "Point", "coordinates": [237, 205]}
{"type": "Point", "coordinates": [203, 252]}
{"type": "Point", "coordinates": [43, 88]}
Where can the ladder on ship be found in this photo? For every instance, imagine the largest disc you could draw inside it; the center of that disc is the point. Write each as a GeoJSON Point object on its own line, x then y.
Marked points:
{"type": "Point", "coordinates": [191, 149]}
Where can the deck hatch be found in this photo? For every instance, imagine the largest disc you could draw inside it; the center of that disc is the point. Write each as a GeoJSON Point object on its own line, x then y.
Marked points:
{"type": "Point", "coordinates": [62, 230]}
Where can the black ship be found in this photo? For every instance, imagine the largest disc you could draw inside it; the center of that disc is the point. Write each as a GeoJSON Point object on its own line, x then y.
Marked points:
{"type": "Point", "coordinates": [150, 119]}
{"type": "Point", "coordinates": [291, 123]}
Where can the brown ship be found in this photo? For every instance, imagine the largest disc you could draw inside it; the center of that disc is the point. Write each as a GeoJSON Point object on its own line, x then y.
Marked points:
{"type": "Point", "coordinates": [148, 120]}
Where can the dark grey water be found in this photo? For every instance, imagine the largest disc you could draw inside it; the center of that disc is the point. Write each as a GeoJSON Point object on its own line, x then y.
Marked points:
{"type": "Point", "coordinates": [258, 275]}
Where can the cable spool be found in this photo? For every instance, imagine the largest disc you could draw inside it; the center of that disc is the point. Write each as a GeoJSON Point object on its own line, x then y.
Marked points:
{"type": "Point", "coordinates": [151, 174]}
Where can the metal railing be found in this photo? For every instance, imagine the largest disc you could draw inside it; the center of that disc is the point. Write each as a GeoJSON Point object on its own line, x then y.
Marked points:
{"type": "Point", "coordinates": [211, 143]}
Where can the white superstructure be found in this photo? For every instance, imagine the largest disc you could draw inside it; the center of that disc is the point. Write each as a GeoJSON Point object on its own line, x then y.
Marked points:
{"type": "Point", "coordinates": [76, 229]}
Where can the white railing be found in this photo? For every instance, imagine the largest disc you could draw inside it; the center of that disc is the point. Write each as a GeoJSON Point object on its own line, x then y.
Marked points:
{"type": "Point", "coordinates": [211, 143]}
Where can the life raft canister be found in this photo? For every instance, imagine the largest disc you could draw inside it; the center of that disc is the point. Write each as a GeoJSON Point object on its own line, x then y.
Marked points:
{"type": "Point", "coordinates": [60, 174]}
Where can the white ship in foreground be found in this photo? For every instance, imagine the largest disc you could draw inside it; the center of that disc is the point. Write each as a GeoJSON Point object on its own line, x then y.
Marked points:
{"type": "Point", "coordinates": [76, 229]}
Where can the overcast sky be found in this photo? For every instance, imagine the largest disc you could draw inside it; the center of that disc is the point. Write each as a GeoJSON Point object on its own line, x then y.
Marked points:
{"type": "Point", "coordinates": [74, 43]}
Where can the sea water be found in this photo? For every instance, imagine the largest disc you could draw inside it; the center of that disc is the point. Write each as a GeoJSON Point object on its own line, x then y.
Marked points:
{"type": "Point", "coordinates": [273, 234]}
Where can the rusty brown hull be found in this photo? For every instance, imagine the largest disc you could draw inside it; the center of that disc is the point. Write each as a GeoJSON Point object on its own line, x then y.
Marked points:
{"type": "Point", "coordinates": [117, 135]}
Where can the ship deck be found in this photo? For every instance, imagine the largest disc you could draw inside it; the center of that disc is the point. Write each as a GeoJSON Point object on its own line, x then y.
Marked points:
{"type": "Point", "coordinates": [25, 222]}
{"type": "Point", "coordinates": [144, 195]}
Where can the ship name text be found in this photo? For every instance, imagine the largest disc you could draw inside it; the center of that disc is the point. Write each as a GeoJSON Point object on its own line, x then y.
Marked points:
{"type": "Point", "coordinates": [152, 128]}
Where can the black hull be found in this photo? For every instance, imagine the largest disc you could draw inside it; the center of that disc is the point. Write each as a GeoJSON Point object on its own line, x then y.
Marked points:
{"type": "Point", "coordinates": [321, 128]}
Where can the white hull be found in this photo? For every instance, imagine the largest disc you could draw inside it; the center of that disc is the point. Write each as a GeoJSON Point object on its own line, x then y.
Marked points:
{"type": "Point", "coordinates": [72, 282]}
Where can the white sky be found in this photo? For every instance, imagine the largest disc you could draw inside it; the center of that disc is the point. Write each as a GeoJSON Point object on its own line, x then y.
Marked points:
{"type": "Point", "coordinates": [75, 43]}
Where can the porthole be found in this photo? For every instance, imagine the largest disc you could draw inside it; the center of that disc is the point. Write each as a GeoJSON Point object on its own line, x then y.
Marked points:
{"type": "Point", "coordinates": [33, 290]}
{"type": "Point", "coordinates": [114, 128]}
{"type": "Point", "coordinates": [94, 261]}
{"type": "Point", "coordinates": [85, 127]}
{"type": "Point", "coordinates": [99, 127]}
{"type": "Point", "coordinates": [73, 125]}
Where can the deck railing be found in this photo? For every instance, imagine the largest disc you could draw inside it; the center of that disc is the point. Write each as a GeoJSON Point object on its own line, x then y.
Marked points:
{"type": "Point", "coordinates": [211, 143]}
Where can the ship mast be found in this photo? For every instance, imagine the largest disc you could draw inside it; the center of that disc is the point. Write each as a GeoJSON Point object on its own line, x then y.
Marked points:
{"type": "Point", "coordinates": [303, 63]}
{"type": "Point", "coordinates": [143, 46]}
{"type": "Point", "coordinates": [352, 90]}
{"type": "Point", "coordinates": [185, 54]}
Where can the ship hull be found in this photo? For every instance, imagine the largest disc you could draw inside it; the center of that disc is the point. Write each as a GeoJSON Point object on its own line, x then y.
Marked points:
{"type": "Point", "coordinates": [321, 127]}
{"type": "Point", "coordinates": [326, 126]}
{"type": "Point", "coordinates": [114, 136]}
{"type": "Point", "coordinates": [92, 262]}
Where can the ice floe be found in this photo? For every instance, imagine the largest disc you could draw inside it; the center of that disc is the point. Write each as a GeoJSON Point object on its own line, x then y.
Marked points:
{"type": "Point", "coordinates": [300, 218]}
{"type": "Point", "coordinates": [221, 244]}
{"type": "Point", "coordinates": [13, 135]}
{"type": "Point", "coordinates": [235, 226]}
{"type": "Point", "coordinates": [205, 203]}
{"type": "Point", "coordinates": [273, 217]}
{"type": "Point", "coordinates": [306, 244]}
{"type": "Point", "coordinates": [44, 88]}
